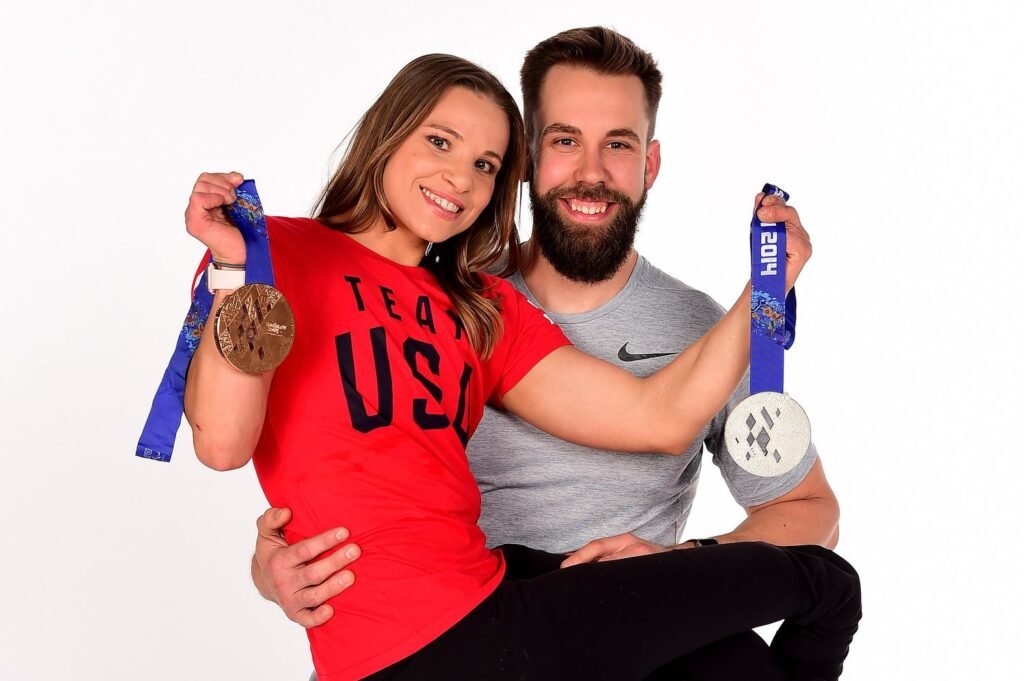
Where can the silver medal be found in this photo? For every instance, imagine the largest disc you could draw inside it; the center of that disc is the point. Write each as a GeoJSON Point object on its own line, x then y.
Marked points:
{"type": "Point", "coordinates": [768, 434]}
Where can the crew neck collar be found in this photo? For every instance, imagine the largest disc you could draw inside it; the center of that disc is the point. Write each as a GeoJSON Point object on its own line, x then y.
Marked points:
{"type": "Point", "coordinates": [580, 317]}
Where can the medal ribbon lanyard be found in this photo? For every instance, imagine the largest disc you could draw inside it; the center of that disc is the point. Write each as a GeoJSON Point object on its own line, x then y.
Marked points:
{"type": "Point", "coordinates": [772, 321]}
{"type": "Point", "coordinates": [157, 440]}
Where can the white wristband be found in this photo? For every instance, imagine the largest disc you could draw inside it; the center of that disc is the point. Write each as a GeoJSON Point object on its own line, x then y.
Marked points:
{"type": "Point", "coordinates": [217, 280]}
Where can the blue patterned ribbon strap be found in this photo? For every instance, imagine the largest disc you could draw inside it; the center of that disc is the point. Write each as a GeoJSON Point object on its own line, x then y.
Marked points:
{"type": "Point", "coordinates": [772, 313]}
{"type": "Point", "coordinates": [157, 440]}
{"type": "Point", "coordinates": [768, 433]}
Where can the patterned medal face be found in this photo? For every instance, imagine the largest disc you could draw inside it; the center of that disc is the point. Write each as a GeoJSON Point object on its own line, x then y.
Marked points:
{"type": "Point", "coordinates": [768, 434]}
{"type": "Point", "coordinates": [255, 328]}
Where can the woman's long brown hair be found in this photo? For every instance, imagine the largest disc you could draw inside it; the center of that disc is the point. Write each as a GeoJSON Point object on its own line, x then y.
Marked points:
{"type": "Point", "coordinates": [354, 198]}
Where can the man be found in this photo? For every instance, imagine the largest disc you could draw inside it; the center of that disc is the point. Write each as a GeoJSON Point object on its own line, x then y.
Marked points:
{"type": "Point", "coordinates": [590, 104]}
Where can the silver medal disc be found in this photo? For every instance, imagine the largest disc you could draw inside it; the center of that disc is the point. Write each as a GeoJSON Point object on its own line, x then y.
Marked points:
{"type": "Point", "coordinates": [768, 434]}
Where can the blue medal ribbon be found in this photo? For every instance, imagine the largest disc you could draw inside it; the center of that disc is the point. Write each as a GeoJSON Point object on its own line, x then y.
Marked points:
{"type": "Point", "coordinates": [157, 440]}
{"type": "Point", "coordinates": [772, 312]}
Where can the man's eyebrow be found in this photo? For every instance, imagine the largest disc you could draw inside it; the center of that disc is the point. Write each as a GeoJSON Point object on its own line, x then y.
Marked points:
{"type": "Point", "coordinates": [562, 128]}
{"type": "Point", "coordinates": [573, 130]}
{"type": "Point", "coordinates": [493, 154]}
{"type": "Point", "coordinates": [624, 132]}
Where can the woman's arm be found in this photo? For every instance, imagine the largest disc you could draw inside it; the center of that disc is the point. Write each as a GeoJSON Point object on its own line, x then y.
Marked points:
{"type": "Point", "coordinates": [224, 406]}
{"type": "Point", "coordinates": [588, 401]}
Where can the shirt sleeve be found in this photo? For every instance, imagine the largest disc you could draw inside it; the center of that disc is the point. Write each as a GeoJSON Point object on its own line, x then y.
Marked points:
{"type": "Point", "coordinates": [528, 336]}
{"type": "Point", "coordinates": [746, 488]}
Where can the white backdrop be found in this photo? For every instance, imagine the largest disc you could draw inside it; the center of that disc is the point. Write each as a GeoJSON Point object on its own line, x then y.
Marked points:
{"type": "Point", "coordinates": [896, 126]}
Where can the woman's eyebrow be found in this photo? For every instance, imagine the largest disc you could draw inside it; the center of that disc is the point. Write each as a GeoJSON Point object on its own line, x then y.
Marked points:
{"type": "Point", "coordinates": [456, 135]}
{"type": "Point", "coordinates": [446, 129]}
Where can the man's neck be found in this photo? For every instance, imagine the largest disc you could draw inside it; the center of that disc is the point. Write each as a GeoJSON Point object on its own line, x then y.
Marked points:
{"type": "Point", "coordinates": [560, 295]}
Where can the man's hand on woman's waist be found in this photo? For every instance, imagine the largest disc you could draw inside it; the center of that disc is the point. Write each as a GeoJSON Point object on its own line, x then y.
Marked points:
{"type": "Point", "coordinates": [291, 575]}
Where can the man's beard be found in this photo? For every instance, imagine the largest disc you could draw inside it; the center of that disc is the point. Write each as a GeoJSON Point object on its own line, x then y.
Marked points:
{"type": "Point", "coordinates": [587, 254]}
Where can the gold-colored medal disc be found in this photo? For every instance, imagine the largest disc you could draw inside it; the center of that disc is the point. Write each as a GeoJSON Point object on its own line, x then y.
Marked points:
{"type": "Point", "coordinates": [254, 328]}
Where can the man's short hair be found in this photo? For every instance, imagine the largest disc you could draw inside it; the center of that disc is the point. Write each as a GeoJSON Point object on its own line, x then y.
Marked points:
{"type": "Point", "coordinates": [598, 48]}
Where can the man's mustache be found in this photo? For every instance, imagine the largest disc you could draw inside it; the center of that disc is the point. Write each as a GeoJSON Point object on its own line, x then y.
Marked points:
{"type": "Point", "coordinates": [587, 192]}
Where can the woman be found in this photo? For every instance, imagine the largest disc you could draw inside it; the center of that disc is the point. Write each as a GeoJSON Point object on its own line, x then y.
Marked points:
{"type": "Point", "coordinates": [368, 418]}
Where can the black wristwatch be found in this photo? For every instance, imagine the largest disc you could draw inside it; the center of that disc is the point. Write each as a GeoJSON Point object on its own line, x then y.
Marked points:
{"type": "Point", "coordinates": [697, 543]}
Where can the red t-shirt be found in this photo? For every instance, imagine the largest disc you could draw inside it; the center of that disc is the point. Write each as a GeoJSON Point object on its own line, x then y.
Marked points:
{"type": "Point", "coordinates": [366, 428]}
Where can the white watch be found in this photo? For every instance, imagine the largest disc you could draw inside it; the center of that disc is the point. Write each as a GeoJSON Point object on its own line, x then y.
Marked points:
{"type": "Point", "coordinates": [217, 279]}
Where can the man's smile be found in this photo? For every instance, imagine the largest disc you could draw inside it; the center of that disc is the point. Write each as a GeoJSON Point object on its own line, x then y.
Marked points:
{"type": "Point", "coordinates": [584, 210]}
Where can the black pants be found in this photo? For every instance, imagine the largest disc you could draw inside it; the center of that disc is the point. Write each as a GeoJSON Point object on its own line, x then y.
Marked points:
{"type": "Point", "coordinates": [680, 615]}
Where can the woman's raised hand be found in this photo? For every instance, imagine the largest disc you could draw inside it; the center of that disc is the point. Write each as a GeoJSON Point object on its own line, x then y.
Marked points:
{"type": "Point", "coordinates": [206, 220]}
{"type": "Point", "coordinates": [798, 242]}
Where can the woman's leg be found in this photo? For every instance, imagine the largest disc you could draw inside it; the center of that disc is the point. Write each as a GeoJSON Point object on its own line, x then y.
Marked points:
{"type": "Point", "coordinates": [811, 650]}
{"type": "Point", "coordinates": [673, 603]}
{"type": "Point", "coordinates": [626, 619]}
{"type": "Point", "coordinates": [741, 657]}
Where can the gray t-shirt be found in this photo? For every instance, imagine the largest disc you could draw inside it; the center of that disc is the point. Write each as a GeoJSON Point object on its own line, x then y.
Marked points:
{"type": "Point", "coordinates": [552, 495]}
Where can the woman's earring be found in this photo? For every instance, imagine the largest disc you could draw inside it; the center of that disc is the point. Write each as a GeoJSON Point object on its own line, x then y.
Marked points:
{"type": "Point", "coordinates": [430, 245]}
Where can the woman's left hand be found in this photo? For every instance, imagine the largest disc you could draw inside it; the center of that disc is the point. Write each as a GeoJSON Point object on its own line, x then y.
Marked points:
{"type": "Point", "coordinates": [798, 242]}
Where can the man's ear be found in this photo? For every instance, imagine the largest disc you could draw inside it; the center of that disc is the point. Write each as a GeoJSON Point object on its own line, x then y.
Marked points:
{"type": "Point", "coordinates": [652, 163]}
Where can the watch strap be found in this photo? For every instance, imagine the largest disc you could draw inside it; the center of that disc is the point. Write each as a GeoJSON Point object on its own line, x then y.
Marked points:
{"type": "Point", "coordinates": [697, 543]}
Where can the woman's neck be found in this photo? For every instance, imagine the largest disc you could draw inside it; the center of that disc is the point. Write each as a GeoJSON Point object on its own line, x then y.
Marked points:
{"type": "Point", "coordinates": [399, 245]}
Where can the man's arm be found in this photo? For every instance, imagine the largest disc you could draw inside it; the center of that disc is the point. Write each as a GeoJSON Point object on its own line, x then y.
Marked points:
{"type": "Point", "coordinates": [293, 576]}
{"type": "Point", "coordinates": [807, 514]}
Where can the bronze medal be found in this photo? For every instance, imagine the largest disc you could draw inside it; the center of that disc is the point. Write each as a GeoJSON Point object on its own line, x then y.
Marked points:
{"type": "Point", "coordinates": [254, 328]}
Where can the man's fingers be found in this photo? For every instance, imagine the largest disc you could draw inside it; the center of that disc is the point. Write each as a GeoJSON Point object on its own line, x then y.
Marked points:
{"type": "Point", "coordinates": [314, 596]}
{"type": "Point", "coordinates": [598, 548]}
{"type": "Point", "coordinates": [628, 552]}
{"type": "Point", "coordinates": [273, 521]}
{"type": "Point", "coordinates": [308, 549]}
{"type": "Point", "coordinates": [587, 554]}
{"type": "Point", "coordinates": [612, 548]}
{"type": "Point", "coordinates": [636, 548]}
{"type": "Point", "coordinates": [319, 571]}
{"type": "Point", "coordinates": [310, 604]}
{"type": "Point", "coordinates": [312, 618]}
{"type": "Point", "coordinates": [574, 559]}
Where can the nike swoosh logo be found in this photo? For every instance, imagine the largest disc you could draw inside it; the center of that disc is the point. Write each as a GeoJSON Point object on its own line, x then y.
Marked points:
{"type": "Point", "coordinates": [626, 356]}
